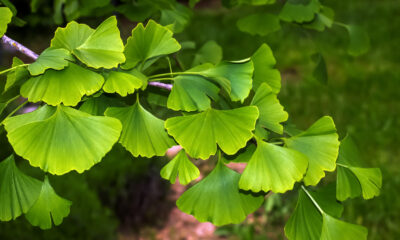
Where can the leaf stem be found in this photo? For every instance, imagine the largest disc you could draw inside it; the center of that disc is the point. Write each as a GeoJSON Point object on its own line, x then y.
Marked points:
{"type": "Point", "coordinates": [342, 165]}
{"type": "Point", "coordinates": [173, 74]}
{"type": "Point", "coordinates": [14, 111]}
{"type": "Point", "coordinates": [340, 24]}
{"type": "Point", "coordinates": [313, 200]}
{"type": "Point", "coordinates": [13, 68]}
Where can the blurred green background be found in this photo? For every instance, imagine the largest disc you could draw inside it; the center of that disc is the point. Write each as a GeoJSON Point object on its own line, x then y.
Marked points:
{"type": "Point", "coordinates": [362, 95]}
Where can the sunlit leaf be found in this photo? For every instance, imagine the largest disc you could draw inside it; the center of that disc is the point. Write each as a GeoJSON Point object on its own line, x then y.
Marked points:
{"type": "Point", "coordinates": [121, 83]}
{"type": "Point", "coordinates": [321, 145]}
{"type": "Point", "coordinates": [148, 42]}
{"type": "Point", "coordinates": [181, 165]}
{"type": "Point", "coordinates": [273, 168]}
{"type": "Point", "coordinates": [200, 133]}
{"type": "Point", "coordinates": [66, 86]}
{"type": "Point", "coordinates": [49, 208]}
{"type": "Point", "coordinates": [352, 179]}
{"type": "Point", "coordinates": [359, 40]}
{"type": "Point", "coordinates": [259, 24]}
{"type": "Point", "coordinates": [103, 48]}
{"type": "Point", "coordinates": [51, 58]}
{"type": "Point", "coordinates": [218, 199]}
{"type": "Point", "coordinates": [333, 229]}
{"type": "Point", "coordinates": [271, 111]}
{"type": "Point", "coordinates": [18, 192]}
{"type": "Point", "coordinates": [61, 139]}
{"type": "Point", "coordinates": [210, 52]}
{"type": "Point", "coordinates": [142, 133]}
{"type": "Point", "coordinates": [298, 12]}
{"type": "Point", "coordinates": [5, 19]}
{"type": "Point", "coordinates": [264, 69]}
{"type": "Point", "coordinates": [72, 36]}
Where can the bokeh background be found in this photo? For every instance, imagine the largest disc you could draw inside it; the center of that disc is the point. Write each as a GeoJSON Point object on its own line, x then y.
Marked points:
{"type": "Point", "coordinates": [362, 94]}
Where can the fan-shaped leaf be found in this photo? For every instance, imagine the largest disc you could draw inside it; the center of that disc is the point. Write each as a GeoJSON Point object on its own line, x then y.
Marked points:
{"type": "Point", "coordinates": [5, 19]}
{"type": "Point", "coordinates": [16, 77]}
{"type": "Point", "coordinates": [122, 83]}
{"type": "Point", "coordinates": [148, 42]}
{"type": "Point", "coordinates": [264, 71]}
{"type": "Point", "coordinates": [182, 165]}
{"type": "Point", "coordinates": [98, 105]}
{"type": "Point", "coordinates": [324, 18]}
{"type": "Point", "coordinates": [61, 139]}
{"type": "Point", "coordinates": [333, 229]}
{"type": "Point", "coordinates": [67, 86]}
{"type": "Point", "coordinates": [200, 133]}
{"type": "Point", "coordinates": [18, 192]}
{"type": "Point", "coordinates": [210, 52]}
{"type": "Point", "coordinates": [271, 111]}
{"type": "Point", "coordinates": [321, 145]}
{"type": "Point", "coordinates": [177, 17]}
{"type": "Point", "coordinates": [273, 168]}
{"type": "Point", "coordinates": [142, 133]}
{"type": "Point", "coordinates": [103, 48]}
{"type": "Point", "coordinates": [299, 12]}
{"type": "Point", "coordinates": [359, 40]}
{"type": "Point", "coordinates": [51, 58]}
{"type": "Point", "coordinates": [72, 36]}
{"type": "Point", "coordinates": [48, 208]}
{"type": "Point", "coordinates": [218, 199]}
{"type": "Point", "coordinates": [259, 24]}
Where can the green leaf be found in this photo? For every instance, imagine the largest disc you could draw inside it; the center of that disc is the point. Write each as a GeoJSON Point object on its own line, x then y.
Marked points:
{"type": "Point", "coordinates": [191, 93]}
{"type": "Point", "coordinates": [359, 40]}
{"type": "Point", "coordinates": [142, 133]}
{"type": "Point", "coordinates": [333, 229]}
{"type": "Point", "coordinates": [193, 3]}
{"type": "Point", "coordinates": [264, 70]}
{"type": "Point", "coordinates": [67, 86]}
{"type": "Point", "coordinates": [5, 19]}
{"type": "Point", "coordinates": [352, 179]}
{"type": "Point", "coordinates": [271, 111]}
{"type": "Point", "coordinates": [148, 42]}
{"type": "Point", "coordinates": [98, 105]}
{"type": "Point", "coordinates": [178, 16]}
{"type": "Point", "coordinates": [51, 58]}
{"type": "Point", "coordinates": [200, 133]}
{"type": "Point", "coordinates": [210, 52]}
{"type": "Point", "coordinates": [48, 208]}
{"type": "Point", "coordinates": [244, 155]}
{"type": "Point", "coordinates": [18, 192]}
{"type": "Point", "coordinates": [321, 145]}
{"type": "Point", "coordinates": [103, 48]}
{"type": "Point", "coordinates": [323, 19]}
{"type": "Point", "coordinates": [182, 165]}
{"type": "Point", "coordinates": [256, 2]}
{"type": "Point", "coordinates": [72, 36]}
{"type": "Point", "coordinates": [259, 24]}
{"type": "Point", "coordinates": [320, 72]}
{"type": "Point", "coordinates": [122, 83]}
{"type": "Point", "coordinates": [299, 12]}
{"type": "Point", "coordinates": [218, 199]}
{"type": "Point", "coordinates": [17, 77]}
{"type": "Point", "coordinates": [273, 168]}
{"type": "Point", "coordinates": [61, 139]}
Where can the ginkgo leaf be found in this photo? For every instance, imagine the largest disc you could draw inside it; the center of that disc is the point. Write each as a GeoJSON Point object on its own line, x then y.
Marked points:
{"type": "Point", "coordinates": [16, 77]}
{"type": "Point", "coordinates": [259, 24]}
{"type": "Point", "coordinates": [148, 42]}
{"type": "Point", "coordinates": [121, 83]}
{"type": "Point", "coordinates": [142, 133]}
{"type": "Point", "coordinates": [352, 179]}
{"type": "Point", "coordinates": [66, 86]}
{"type": "Point", "coordinates": [103, 48]}
{"type": "Point", "coordinates": [200, 133]}
{"type": "Point", "coordinates": [51, 58]}
{"type": "Point", "coordinates": [98, 105]}
{"type": "Point", "coordinates": [271, 111]}
{"type": "Point", "coordinates": [320, 72]}
{"type": "Point", "coordinates": [181, 165]}
{"type": "Point", "coordinates": [210, 52]}
{"type": "Point", "coordinates": [299, 12]}
{"type": "Point", "coordinates": [218, 199]}
{"type": "Point", "coordinates": [273, 168]}
{"type": "Point", "coordinates": [333, 229]}
{"type": "Point", "coordinates": [72, 36]}
{"type": "Point", "coordinates": [359, 40]}
{"type": "Point", "coordinates": [191, 93]}
{"type": "Point", "coordinates": [5, 19]}
{"type": "Point", "coordinates": [323, 19]}
{"type": "Point", "coordinates": [320, 144]}
{"type": "Point", "coordinates": [178, 17]}
{"type": "Point", "coordinates": [48, 208]}
{"type": "Point", "coordinates": [61, 139]}
{"type": "Point", "coordinates": [264, 71]}
{"type": "Point", "coordinates": [18, 192]}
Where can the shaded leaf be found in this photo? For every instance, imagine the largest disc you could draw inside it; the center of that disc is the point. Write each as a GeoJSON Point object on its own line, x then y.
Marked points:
{"type": "Point", "coordinates": [273, 168]}
{"type": "Point", "coordinates": [259, 24]}
{"type": "Point", "coordinates": [51, 58]}
{"type": "Point", "coordinates": [200, 133]}
{"type": "Point", "coordinates": [218, 199]}
{"type": "Point", "coordinates": [178, 16]}
{"type": "Point", "coordinates": [181, 165]}
{"type": "Point", "coordinates": [142, 133]}
{"type": "Point", "coordinates": [61, 139]}
{"type": "Point", "coordinates": [48, 208]}
{"type": "Point", "coordinates": [299, 12]}
{"type": "Point", "coordinates": [121, 83]}
{"type": "Point", "coordinates": [321, 145]}
{"type": "Point", "coordinates": [264, 69]}
{"type": "Point", "coordinates": [98, 105]}
{"type": "Point", "coordinates": [320, 72]}
{"type": "Point", "coordinates": [18, 192]}
{"type": "Point", "coordinates": [67, 86]}
{"type": "Point", "coordinates": [359, 40]}
{"type": "Point", "coordinates": [323, 19]}
{"type": "Point", "coordinates": [72, 36]}
{"type": "Point", "coordinates": [210, 52]}
{"type": "Point", "coordinates": [16, 77]}
{"type": "Point", "coordinates": [5, 19]}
